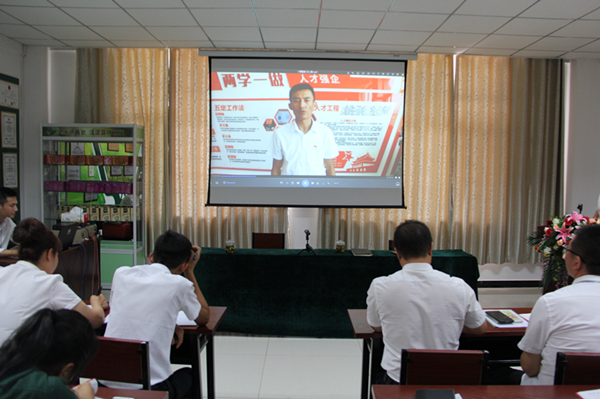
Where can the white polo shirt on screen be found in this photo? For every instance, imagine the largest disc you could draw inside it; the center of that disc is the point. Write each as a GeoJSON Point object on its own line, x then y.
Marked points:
{"type": "Point", "coordinates": [144, 303]}
{"type": "Point", "coordinates": [420, 308]}
{"type": "Point", "coordinates": [566, 320]}
{"type": "Point", "coordinates": [303, 153]}
{"type": "Point", "coordinates": [25, 289]}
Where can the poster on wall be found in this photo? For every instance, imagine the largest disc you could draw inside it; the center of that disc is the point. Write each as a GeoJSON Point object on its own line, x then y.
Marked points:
{"type": "Point", "coordinates": [9, 94]}
{"type": "Point", "coordinates": [9, 169]}
{"type": "Point", "coordinates": [9, 129]}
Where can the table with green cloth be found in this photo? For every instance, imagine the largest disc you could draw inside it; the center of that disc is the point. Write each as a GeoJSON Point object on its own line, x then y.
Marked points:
{"type": "Point", "coordinates": [280, 293]}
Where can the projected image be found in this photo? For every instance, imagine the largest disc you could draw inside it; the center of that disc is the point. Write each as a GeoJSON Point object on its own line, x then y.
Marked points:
{"type": "Point", "coordinates": [309, 123]}
{"type": "Point", "coordinates": [352, 126]}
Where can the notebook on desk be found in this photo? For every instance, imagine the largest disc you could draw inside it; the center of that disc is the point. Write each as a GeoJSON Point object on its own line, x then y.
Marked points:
{"type": "Point", "coordinates": [361, 252]}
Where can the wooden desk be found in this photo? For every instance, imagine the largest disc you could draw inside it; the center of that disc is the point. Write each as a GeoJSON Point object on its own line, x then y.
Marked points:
{"type": "Point", "coordinates": [370, 360]}
{"type": "Point", "coordinates": [109, 393]}
{"type": "Point", "coordinates": [278, 292]}
{"type": "Point", "coordinates": [197, 338]}
{"type": "Point", "coordinates": [486, 391]}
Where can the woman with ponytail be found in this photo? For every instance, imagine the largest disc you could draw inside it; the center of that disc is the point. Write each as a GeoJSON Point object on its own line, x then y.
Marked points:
{"type": "Point", "coordinates": [29, 284]}
{"type": "Point", "coordinates": [45, 352]}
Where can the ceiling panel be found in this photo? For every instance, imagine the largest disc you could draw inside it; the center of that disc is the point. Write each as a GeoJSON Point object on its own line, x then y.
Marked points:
{"type": "Point", "coordinates": [358, 36]}
{"type": "Point", "coordinates": [289, 35]}
{"type": "Point", "coordinates": [412, 21]}
{"type": "Point", "coordinates": [101, 16]}
{"type": "Point", "coordinates": [354, 19]}
{"type": "Point", "coordinates": [470, 24]}
{"type": "Point", "coordinates": [454, 39]}
{"type": "Point", "coordinates": [579, 29]}
{"type": "Point", "coordinates": [224, 17]}
{"type": "Point", "coordinates": [570, 9]}
{"type": "Point", "coordinates": [507, 42]}
{"type": "Point", "coordinates": [40, 15]}
{"type": "Point", "coordinates": [162, 17]}
{"type": "Point", "coordinates": [400, 37]}
{"type": "Point", "coordinates": [371, 5]}
{"type": "Point", "coordinates": [495, 27]}
{"type": "Point", "coordinates": [532, 26]}
{"type": "Point", "coordinates": [123, 33]}
{"type": "Point", "coordinates": [66, 32]}
{"type": "Point", "coordinates": [578, 55]}
{"type": "Point", "coordinates": [288, 18]}
{"type": "Point", "coordinates": [151, 3]}
{"type": "Point", "coordinates": [503, 8]}
{"type": "Point", "coordinates": [177, 33]}
{"type": "Point", "coordinates": [22, 32]}
{"type": "Point", "coordinates": [233, 34]}
{"type": "Point", "coordinates": [558, 44]}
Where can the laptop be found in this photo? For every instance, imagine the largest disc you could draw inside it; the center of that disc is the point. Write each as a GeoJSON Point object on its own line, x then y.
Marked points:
{"type": "Point", "coordinates": [66, 233]}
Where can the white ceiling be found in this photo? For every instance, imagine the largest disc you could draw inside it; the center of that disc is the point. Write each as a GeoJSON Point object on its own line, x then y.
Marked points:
{"type": "Point", "coordinates": [520, 28]}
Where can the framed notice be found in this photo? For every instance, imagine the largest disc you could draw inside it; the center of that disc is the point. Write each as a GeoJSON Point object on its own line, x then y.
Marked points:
{"type": "Point", "coordinates": [112, 146]}
{"type": "Point", "coordinates": [8, 129]}
{"type": "Point", "coordinates": [9, 93]}
{"type": "Point", "coordinates": [116, 171]}
{"type": "Point", "coordinates": [9, 170]}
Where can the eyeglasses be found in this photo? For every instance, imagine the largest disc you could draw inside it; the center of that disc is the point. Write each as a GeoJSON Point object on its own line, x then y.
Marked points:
{"type": "Point", "coordinates": [573, 252]}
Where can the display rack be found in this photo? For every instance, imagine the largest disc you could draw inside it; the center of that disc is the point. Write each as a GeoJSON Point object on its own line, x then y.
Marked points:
{"type": "Point", "coordinates": [98, 168]}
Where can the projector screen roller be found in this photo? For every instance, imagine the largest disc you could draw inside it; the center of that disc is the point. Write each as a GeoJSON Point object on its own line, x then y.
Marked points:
{"type": "Point", "coordinates": [306, 132]}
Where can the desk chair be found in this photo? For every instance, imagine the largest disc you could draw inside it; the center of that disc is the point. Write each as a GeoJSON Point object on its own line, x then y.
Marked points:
{"type": "Point", "coordinates": [573, 368]}
{"type": "Point", "coordinates": [121, 360]}
{"type": "Point", "coordinates": [443, 367]}
{"type": "Point", "coordinates": [268, 240]}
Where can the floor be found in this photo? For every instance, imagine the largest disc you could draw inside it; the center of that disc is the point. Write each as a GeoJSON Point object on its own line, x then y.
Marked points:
{"type": "Point", "coordinates": [302, 368]}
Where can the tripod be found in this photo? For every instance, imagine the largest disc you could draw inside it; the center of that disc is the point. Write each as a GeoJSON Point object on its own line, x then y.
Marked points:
{"type": "Point", "coordinates": [308, 247]}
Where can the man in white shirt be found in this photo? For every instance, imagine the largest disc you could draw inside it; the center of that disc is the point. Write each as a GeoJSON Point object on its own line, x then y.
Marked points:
{"type": "Point", "coordinates": [304, 146]}
{"type": "Point", "coordinates": [419, 307]}
{"type": "Point", "coordinates": [8, 209]}
{"type": "Point", "coordinates": [145, 301]}
{"type": "Point", "coordinates": [566, 320]}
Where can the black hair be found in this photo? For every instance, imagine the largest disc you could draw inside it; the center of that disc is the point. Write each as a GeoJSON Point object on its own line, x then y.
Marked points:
{"type": "Point", "coordinates": [49, 340]}
{"type": "Point", "coordinates": [412, 239]}
{"type": "Point", "coordinates": [34, 239]}
{"type": "Point", "coordinates": [587, 245]}
{"type": "Point", "coordinates": [5, 194]}
{"type": "Point", "coordinates": [302, 86]}
{"type": "Point", "coordinates": [172, 249]}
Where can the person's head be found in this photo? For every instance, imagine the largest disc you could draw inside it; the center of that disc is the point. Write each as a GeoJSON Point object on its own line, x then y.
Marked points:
{"type": "Point", "coordinates": [8, 203]}
{"type": "Point", "coordinates": [583, 254]}
{"type": "Point", "coordinates": [58, 342]}
{"type": "Point", "coordinates": [37, 244]}
{"type": "Point", "coordinates": [302, 101]}
{"type": "Point", "coordinates": [412, 240]}
{"type": "Point", "coordinates": [171, 249]}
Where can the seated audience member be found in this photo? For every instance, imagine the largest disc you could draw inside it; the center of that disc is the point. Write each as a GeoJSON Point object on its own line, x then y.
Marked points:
{"type": "Point", "coordinates": [566, 320]}
{"type": "Point", "coordinates": [8, 209]}
{"type": "Point", "coordinates": [145, 301]}
{"type": "Point", "coordinates": [29, 284]}
{"type": "Point", "coordinates": [419, 307]}
{"type": "Point", "coordinates": [45, 352]}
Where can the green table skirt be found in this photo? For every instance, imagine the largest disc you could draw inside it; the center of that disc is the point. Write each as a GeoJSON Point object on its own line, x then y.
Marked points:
{"type": "Point", "coordinates": [280, 293]}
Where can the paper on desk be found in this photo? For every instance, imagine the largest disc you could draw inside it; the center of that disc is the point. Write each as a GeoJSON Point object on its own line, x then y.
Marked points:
{"type": "Point", "coordinates": [591, 394]}
{"type": "Point", "coordinates": [457, 396]}
{"type": "Point", "coordinates": [526, 316]}
{"type": "Point", "coordinates": [519, 322]}
{"type": "Point", "coordinates": [183, 321]}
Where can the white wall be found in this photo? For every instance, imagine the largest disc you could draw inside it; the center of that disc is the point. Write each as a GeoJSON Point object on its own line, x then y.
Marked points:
{"type": "Point", "coordinates": [10, 57]}
{"type": "Point", "coordinates": [62, 86]}
{"type": "Point", "coordinates": [583, 162]}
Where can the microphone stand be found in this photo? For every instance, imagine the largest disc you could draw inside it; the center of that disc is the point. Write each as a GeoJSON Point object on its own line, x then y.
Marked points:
{"type": "Point", "coordinates": [308, 248]}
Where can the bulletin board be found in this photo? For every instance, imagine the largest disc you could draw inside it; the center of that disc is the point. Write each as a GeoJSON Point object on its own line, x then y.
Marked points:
{"type": "Point", "coordinates": [9, 133]}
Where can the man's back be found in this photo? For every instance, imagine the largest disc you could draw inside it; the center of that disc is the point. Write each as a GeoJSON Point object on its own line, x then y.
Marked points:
{"type": "Point", "coordinates": [566, 320]}
{"type": "Point", "coordinates": [420, 308]}
{"type": "Point", "coordinates": [145, 301]}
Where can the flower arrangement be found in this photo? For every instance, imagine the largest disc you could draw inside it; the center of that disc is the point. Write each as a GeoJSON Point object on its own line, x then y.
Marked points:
{"type": "Point", "coordinates": [550, 241]}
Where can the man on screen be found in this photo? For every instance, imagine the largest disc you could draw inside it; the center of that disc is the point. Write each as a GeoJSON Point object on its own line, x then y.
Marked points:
{"type": "Point", "coordinates": [419, 307]}
{"type": "Point", "coordinates": [304, 146]}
